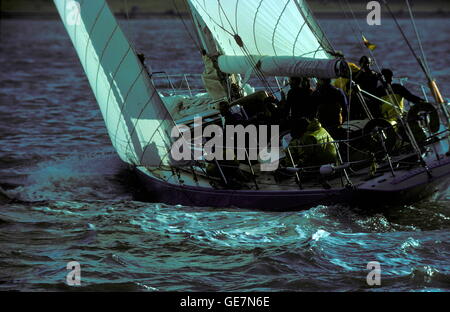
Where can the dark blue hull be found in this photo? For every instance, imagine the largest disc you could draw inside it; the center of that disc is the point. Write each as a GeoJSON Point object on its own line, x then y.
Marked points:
{"type": "Point", "coordinates": [383, 191]}
{"type": "Point", "coordinates": [164, 192]}
{"type": "Point", "coordinates": [159, 191]}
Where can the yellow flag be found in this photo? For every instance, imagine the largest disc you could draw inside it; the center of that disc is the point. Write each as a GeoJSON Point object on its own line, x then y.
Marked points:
{"type": "Point", "coordinates": [368, 44]}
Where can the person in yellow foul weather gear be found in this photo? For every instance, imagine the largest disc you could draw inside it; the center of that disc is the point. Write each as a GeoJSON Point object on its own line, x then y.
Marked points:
{"type": "Point", "coordinates": [311, 145]}
{"type": "Point", "coordinates": [394, 94]}
{"type": "Point", "coordinates": [343, 83]}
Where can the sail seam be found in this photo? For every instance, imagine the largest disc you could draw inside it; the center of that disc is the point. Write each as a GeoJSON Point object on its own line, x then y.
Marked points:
{"type": "Point", "coordinates": [276, 26]}
{"type": "Point", "coordinates": [275, 29]}
{"type": "Point", "coordinates": [254, 26]}
{"type": "Point", "coordinates": [296, 38]}
{"type": "Point", "coordinates": [101, 57]}
{"type": "Point", "coordinates": [126, 99]}
{"type": "Point", "coordinates": [314, 26]}
{"type": "Point", "coordinates": [236, 14]}
{"type": "Point", "coordinates": [215, 22]}
{"type": "Point", "coordinates": [151, 138]}
{"type": "Point", "coordinates": [113, 78]}
{"type": "Point", "coordinates": [139, 117]}
{"type": "Point", "coordinates": [91, 31]}
{"type": "Point", "coordinates": [234, 32]}
{"type": "Point", "coordinates": [306, 21]}
{"type": "Point", "coordinates": [167, 147]}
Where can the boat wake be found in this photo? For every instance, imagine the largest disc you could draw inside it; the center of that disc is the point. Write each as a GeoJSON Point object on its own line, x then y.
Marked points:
{"type": "Point", "coordinates": [73, 178]}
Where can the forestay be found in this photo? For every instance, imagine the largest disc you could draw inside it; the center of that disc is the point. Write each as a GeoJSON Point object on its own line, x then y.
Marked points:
{"type": "Point", "coordinates": [138, 123]}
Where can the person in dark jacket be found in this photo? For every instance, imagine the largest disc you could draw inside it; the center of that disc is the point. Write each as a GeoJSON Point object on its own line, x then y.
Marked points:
{"type": "Point", "coordinates": [367, 79]}
{"type": "Point", "coordinates": [299, 99]}
{"type": "Point", "coordinates": [332, 104]}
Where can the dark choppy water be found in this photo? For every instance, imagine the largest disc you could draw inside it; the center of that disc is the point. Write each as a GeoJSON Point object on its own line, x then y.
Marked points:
{"type": "Point", "coordinates": [55, 153]}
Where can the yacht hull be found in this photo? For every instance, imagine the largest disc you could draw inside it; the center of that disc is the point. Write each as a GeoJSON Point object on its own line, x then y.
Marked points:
{"type": "Point", "coordinates": [161, 191]}
{"type": "Point", "coordinates": [385, 190]}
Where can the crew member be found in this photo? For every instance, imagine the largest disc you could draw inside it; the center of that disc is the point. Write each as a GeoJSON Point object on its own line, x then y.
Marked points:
{"type": "Point", "coordinates": [344, 82]}
{"type": "Point", "coordinates": [228, 169]}
{"type": "Point", "coordinates": [394, 94]}
{"type": "Point", "coordinates": [299, 101]}
{"type": "Point", "coordinates": [367, 79]}
{"type": "Point", "coordinates": [332, 103]}
{"type": "Point", "coordinates": [311, 144]}
{"type": "Point", "coordinates": [332, 121]}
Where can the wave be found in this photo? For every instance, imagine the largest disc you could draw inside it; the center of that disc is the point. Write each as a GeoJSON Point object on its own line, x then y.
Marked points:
{"type": "Point", "coordinates": [78, 177]}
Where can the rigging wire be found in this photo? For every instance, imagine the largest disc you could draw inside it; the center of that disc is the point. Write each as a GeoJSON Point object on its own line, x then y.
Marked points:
{"type": "Point", "coordinates": [254, 26]}
{"type": "Point", "coordinates": [422, 65]}
{"type": "Point", "coordinates": [350, 97]}
{"type": "Point", "coordinates": [355, 31]}
{"type": "Point", "coordinates": [253, 63]}
{"type": "Point", "coordinates": [312, 23]}
{"type": "Point", "coordinates": [389, 89]}
{"type": "Point", "coordinates": [250, 57]}
{"type": "Point", "coordinates": [186, 28]}
{"type": "Point", "coordinates": [362, 34]}
{"type": "Point", "coordinates": [129, 27]}
{"type": "Point", "coordinates": [419, 60]}
{"type": "Point", "coordinates": [424, 58]}
{"type": "Point", "coordinates": [444, 110]}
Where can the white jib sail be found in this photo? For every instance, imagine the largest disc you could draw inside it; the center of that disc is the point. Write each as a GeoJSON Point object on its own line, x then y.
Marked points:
{"type": "Point", "coordinates": [138, 123]}
{"type": "Point", "coordinates": [246, 30]}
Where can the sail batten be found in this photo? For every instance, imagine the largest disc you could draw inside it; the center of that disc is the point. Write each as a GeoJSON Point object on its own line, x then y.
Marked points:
{"type": "Point", "coordinates": [131, 107]}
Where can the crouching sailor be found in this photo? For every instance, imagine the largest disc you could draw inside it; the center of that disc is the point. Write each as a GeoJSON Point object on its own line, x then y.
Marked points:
{"type": "Point", "coordinates": [311, 145]}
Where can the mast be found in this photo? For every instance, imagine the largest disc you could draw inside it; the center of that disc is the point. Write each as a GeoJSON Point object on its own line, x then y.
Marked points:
{"type": "Point", "coordinates": [203, 32]}
{"type": "Point", "coordinates": [215, 82]}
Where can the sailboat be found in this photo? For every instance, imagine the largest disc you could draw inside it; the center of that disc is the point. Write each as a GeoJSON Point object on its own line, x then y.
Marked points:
{"type": "Point", "coordinates": [241, 41]}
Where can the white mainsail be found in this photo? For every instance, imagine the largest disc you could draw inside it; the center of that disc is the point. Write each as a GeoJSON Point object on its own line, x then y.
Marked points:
{"type": "Point", "coordinates": [138, 123]}
{"type": "Point", "coordinates": [268, 32]}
